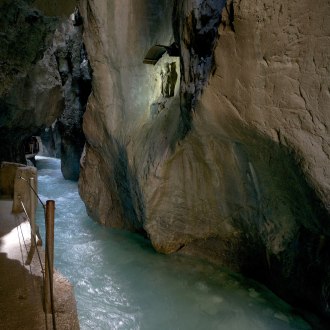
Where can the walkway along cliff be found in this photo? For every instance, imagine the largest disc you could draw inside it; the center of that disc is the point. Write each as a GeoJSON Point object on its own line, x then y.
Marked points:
{"type": "Point", "coordinates": [207, 125]}
{"type": "Point", "coordinates": [32, 295]}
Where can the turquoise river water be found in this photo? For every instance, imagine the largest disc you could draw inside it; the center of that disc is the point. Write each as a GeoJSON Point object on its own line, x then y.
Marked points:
{"type": "Point", "coordinates": [120, 282]}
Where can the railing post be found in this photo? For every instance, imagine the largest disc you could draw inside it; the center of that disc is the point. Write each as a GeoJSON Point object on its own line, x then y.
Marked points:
{"type": "Point", "coordinates": [49, 262]}
{"type": "Point", "coordinates": [32, 212]}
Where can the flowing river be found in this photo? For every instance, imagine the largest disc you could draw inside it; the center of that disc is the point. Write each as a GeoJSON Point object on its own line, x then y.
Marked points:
{"type": "Point", "coordinates": [120, 282]}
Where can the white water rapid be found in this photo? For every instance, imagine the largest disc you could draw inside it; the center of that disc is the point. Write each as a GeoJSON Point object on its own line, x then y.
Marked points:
{"type": "Point", "coordinates": [121, 283]}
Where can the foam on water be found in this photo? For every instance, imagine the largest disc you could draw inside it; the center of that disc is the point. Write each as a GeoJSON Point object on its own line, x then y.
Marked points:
{"type": "Point", "coordinates": [122, 283]}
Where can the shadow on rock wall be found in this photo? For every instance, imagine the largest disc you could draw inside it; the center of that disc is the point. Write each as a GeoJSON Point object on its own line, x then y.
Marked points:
{"type": "Point", "coordinates": [273, 226]}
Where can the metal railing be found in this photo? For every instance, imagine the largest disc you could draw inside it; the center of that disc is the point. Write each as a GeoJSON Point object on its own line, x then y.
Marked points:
{"type": "Point", "coordinates": [48, 270]}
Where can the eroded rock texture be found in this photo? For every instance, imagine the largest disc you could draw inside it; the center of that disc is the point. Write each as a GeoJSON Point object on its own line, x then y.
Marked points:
{"type": "Point", "coordinates": [75, 73]}
{"type": "Point", "coordinates": [269, 92]}
{"type": "Point", "coordinates": [30, 81]}
{"type": "Point", "coordinates": [126, 95]}
{"type": "Point", "coordinates": [233, 165]}
{"type": "Point", "coordinates": [45, 81]}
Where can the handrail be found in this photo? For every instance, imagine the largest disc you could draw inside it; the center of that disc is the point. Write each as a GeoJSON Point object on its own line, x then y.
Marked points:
{"type": "Point", "coordinates": [34, 241]}
{"type": "Point", "coordinates": [49, 262]}
{"type": "Point", "coordinates": [47, 273]}
{"type": "Point", "coordinates": [43, 205]}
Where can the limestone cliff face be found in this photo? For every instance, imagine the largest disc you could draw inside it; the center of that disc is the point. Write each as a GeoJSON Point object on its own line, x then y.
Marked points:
{"type": "Point", "coordinates": [233, 164]}
{"type": "Point", "coordinates": [74, 69]}
{"type": "Point", "coordinates": [30, 81]}
{"type": "Point", "coordinates": [125, 103]}
{"type": "Point", "coordinates": [45, 78]}
{"type": "Point", "coordinates": [277, 79]}
{"type": "Point", "coordinates": [65, 138]}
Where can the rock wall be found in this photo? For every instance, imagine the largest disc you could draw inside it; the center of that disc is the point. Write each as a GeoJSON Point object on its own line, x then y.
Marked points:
{"type": "Point", "coordinates": [75, 72]}
{"type": "Point", "coordinates": [233, 165]}
{"type": "Point", "coordinates": [126, 94]}
{"type": "Point", "coordinates": [59, 8]}
{"type": "Point", "coordinates": [7, 179]}
{"type": "Point", "coordinates": [30, 81]}
{"type": "Point", "coordinates": [44, 76]}
{"type": "Point", "coordinates": [270, 93]}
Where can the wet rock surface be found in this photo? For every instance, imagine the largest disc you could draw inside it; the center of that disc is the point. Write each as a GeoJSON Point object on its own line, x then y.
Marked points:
{"type": "Point", "coordinates": [29, 77]}
{"type": "Point", "coordinates": [234, 165]}
{"type": "Point", "coordinates": [45, 82]}
{"type": "Point", "coordinates": [75, 75]}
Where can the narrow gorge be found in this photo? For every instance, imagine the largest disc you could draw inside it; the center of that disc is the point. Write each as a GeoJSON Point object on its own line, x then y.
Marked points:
{"type": "Point", "coordinates": [202, 125]}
